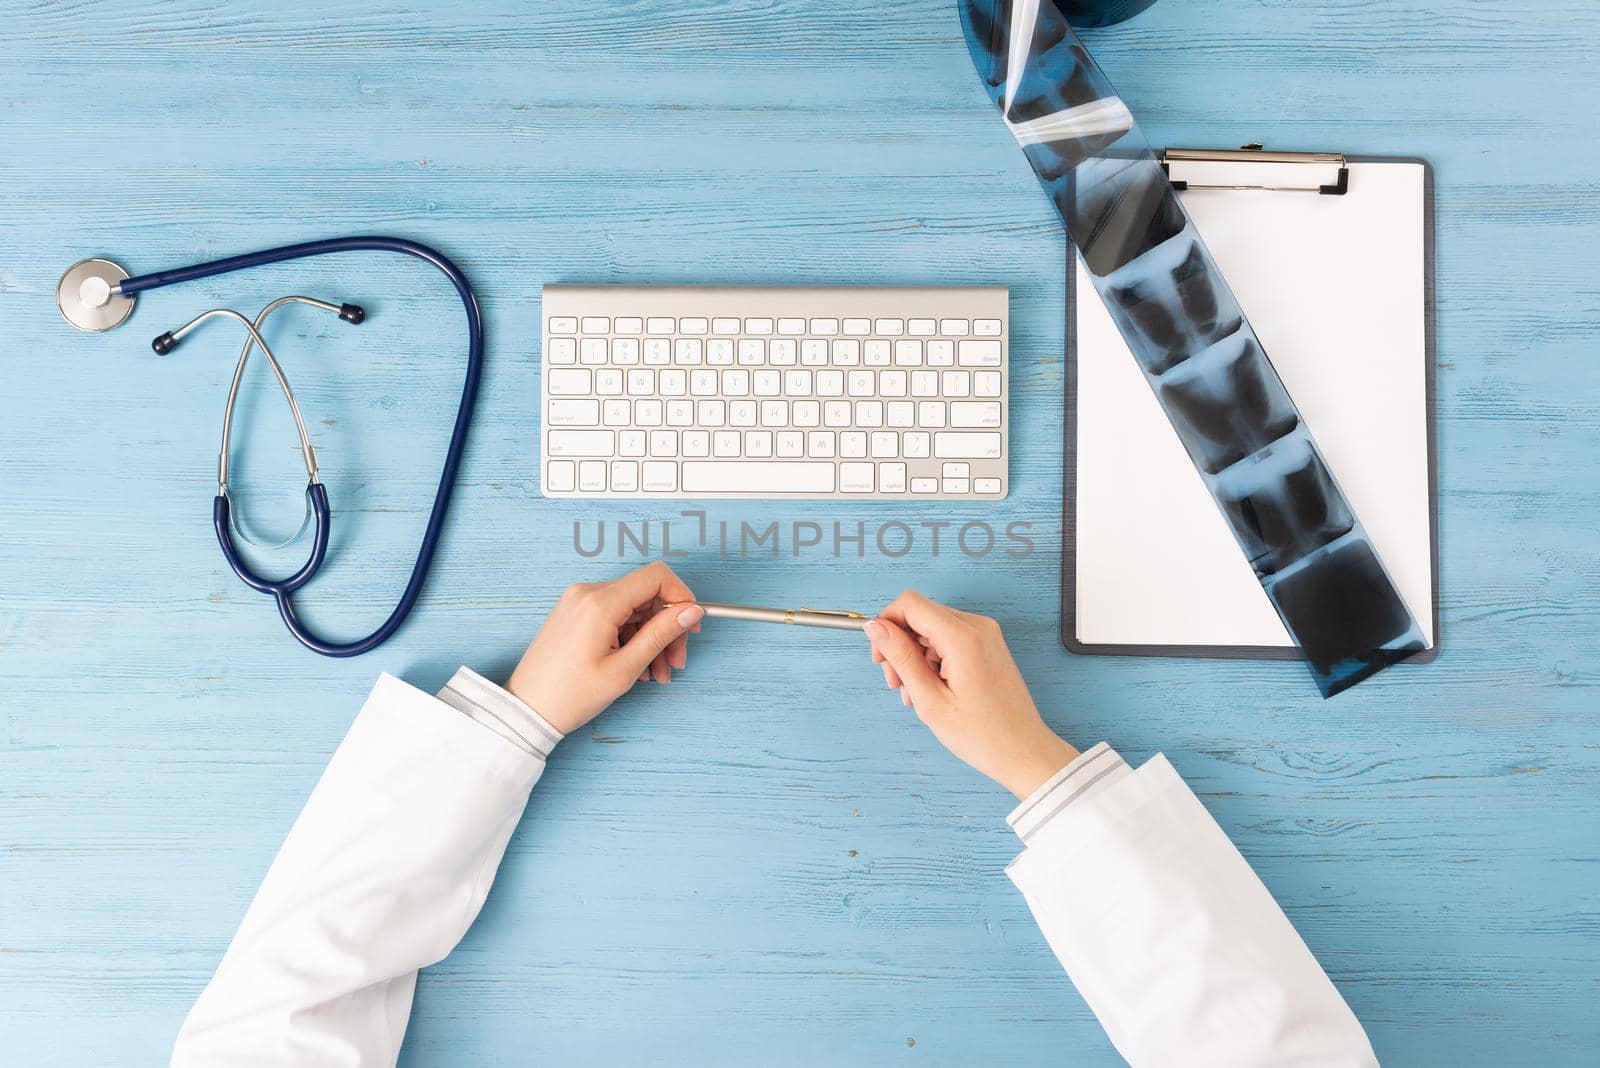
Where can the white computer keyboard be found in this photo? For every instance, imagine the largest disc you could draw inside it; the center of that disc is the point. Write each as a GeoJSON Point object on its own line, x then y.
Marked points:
{"type": "Point", "coordinates": [690, 391]}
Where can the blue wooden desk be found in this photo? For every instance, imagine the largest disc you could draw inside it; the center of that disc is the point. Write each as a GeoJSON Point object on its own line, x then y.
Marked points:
{"type": "Point", "coordinates": [770, 863]}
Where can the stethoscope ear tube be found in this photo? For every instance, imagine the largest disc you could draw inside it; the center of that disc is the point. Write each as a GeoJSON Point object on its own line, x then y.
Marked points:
{"type": "Point", "coordinates": [280, 589]}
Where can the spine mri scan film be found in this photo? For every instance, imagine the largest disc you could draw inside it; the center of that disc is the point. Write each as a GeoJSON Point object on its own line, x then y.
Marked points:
{"type": "Point", "coordinates": [1193, 343]}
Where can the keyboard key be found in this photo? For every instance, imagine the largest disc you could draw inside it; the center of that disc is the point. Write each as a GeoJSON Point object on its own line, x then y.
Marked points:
{"type": "Point", "coordinates": [660, 476]}
{"type": "Point", "coordinates": [775, 413]}
{"type": "Point", "coordinates": [908, 353]}
{"type": "Point", "coordinates": [561, 350]}
{"type": "Point", "coordinates": [758, 326]}
{"type": "Point", "coordinates": [892, 383]}
{"type": "Point", "coordinates": [725, 326]}
{"type": "Point", "coordinates": [713, 413]}
{"type": "Point", "coordinates": [736, 383]}
{"type": "Point", "coordinates": [680, 413]}
{"type": "Point", "coordinates": [931, 414]}
{"type": "Point", "coordinates": [986, 485]}
{"type": "Point", "coordinates": [647, 412]}
{"type": "Point", "coordinates": [924, 485]}
{"type": "Point", "coordinates": [660, 324]}
{"type": "Point", "coordinates": [856, 478]}
{"type": "Point", "coordinates": [560, 475]}
{"type": "Point", "coordinates": [693, 325]}
{"type": "Point", "coordinates": [618, 413]}
{"type": "Point", "coordinates": [791, 326]}
{"type": "Point", "coordinates": [955, 470]}
{"type": "Point", "coordinates": [758, 444]}
{"type": "Point", "coordinates": [563, 324]}
{"type": "Point", "coordinates": [625, 350]}
{"type": "Point", "coordinates": [941, 353]}
{"type": "Point", "coordinates": [887, 327]}
{"type": "Point", "coordinates": [924, 383]}
{"type": "Point", "coordinates": [696, 443]}
{"type": "Point", "coordinates": [862, 383]}
{"type": "Point", "coordinates": [781, 352]}
{"type": "Point", "coordinates": [642, 382]}
{"type": "Point", "coordinates": [703, 383]}
{"type": "Point", "coordinates": [975, 414]}
{"type": "Point", "coordinates": [743, 413]}
{"type": "Point", "coordinates": [791, 443]}
{"type": "Point", "coordinates": [673, 382]}
{"type": "Point", "coordinates": [956, 485]}
{"type": "Point", "coordinates": [986, 328]}
{"type": "Point", "coordinates": [885, 444]}
{"type": "Point", "coordinates": [915, 445]}
{"type": "Point", "coordinates": [807, 413]}
{"type": "Point", "coordinates": [631, 442]}
{"type": "Point", "coordinates": [847, 352]}
{"type": "Point", "coordinates": [770, 477]}
{"type": "Point", "coordinates": [825, 327]}
{"type": "Point", "coordinates": [820, 444]}
{"type": "Point", "coordinates": [892, 478]}
{"type": "Point", "coordinates": [752, 352]}
{"type": "Point", "coordinates": [830, 383]}
{"type": "Point", "coordinates": [814, 352]}
{"type": "Point", "coordinates": [986, 383]}
{"type": "Point", "coordinates": [596, 324]}
{"type": "Point", "coordinates": [951, 327]}
{"type": "Point", "coordinates": [664, 443]}
{"type": "Point", "coordinates": [978, 446]}
{"type": "Point", "coordinates": [688, 350]}
{"type": "Point", "coordinates": [624, 476]}
{"type": "Point", "coordinates": [921, 328]}
{"type": "Point", "coordinates": [876, 353]}
{"type": "Point", "coordinates": [608, 382]}
{"type": "Point", "coordinates": [980, 352]}
{"type": "Point", "coordinates": [592, 476]}
{"type": "Point", "coordinates": [580, 443]}
{"type": "Point", "coordinates": [629, 324]}
{"type": "Point", "coordinates": [869, 413]}
{"type": "Point", "coordinates": [853, 444]}
{"type": "Point", "coordinates": [858, 327]}
{"type": "Point", "coordinates": [573, 413]}
{"type": "Point", "coordinates": [726, 443]}
{"type": "Point", "coordinates": [657, 351]}
{"type": "Point", "coordinates": [592, 350]}
{"type": "Point", "coordinates": [901, 414]}
{"type": "Point", "coordinates": [797, 383]}
{"type": "Point", "coordinates": [767, 382]}
{"type": "Point", "coordinates": [957, 383]}
{"type": "Point", "coordinates": [565, 382]}
{"type": "Point", "coordinates": [719, 351]}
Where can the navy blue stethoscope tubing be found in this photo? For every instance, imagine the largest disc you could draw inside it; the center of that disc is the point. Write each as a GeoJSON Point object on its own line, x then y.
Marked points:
{"type": "Point", "coordinates": [282, 590]}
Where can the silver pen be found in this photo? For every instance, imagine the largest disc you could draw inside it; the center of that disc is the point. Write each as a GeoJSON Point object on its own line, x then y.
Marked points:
{"type": "Point", "coordinates": [835, 618]}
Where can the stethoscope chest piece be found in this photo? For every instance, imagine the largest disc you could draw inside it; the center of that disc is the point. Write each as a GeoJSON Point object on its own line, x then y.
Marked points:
{"type": "Point", "coordinates": [88, 296]}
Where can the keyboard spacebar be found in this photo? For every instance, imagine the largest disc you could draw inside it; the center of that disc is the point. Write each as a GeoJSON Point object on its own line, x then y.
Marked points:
{"type": "Point", "coordinates": [749, 476]}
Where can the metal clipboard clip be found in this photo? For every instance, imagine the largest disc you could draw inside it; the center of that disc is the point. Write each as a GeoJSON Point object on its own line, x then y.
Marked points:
{"type": "Point", "coordinates": [1257, 154]}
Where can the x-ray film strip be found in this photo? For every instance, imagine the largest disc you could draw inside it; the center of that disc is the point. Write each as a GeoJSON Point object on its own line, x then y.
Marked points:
{"type": "Point", "coordinates": [1191, 340]}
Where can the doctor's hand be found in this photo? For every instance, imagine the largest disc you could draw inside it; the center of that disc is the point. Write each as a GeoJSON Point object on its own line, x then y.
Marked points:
{"type": "Point", "coordinates": [600, 639]}
{"type": "Point", "coordinates": [955, 670]}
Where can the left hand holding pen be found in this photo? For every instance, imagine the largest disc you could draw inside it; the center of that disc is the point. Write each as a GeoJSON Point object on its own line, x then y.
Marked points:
{"type": "Point", "coordinates": [600, 639]}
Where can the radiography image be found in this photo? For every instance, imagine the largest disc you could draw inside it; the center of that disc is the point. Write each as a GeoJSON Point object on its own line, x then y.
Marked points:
{"type": "Point", "coordinates": [1283, 505]}
{"type": "Point", "coordinates": [1195, 346]}
{"type": "Point", "coordinates": [1227, 403]}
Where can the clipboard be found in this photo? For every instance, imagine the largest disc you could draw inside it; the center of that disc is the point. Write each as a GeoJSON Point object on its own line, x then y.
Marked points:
{"type": "Point", "coordinates": [1324, 251]}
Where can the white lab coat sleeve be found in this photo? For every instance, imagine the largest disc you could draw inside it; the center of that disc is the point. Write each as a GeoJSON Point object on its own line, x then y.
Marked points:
{"type": "Point", "coordinates": [382, 873]}
{"type": "Point", "coordinates": [1169, 936]}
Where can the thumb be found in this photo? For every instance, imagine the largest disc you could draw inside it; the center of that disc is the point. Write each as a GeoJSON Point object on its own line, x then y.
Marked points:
{"type": "Point", "coordinates": [654, 636]}
{"type": "Point", "coordinates": [907, 658]}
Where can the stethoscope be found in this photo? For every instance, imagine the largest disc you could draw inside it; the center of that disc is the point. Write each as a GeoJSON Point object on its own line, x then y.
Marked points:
{"type": "Point", "coordinates": [98, 295]}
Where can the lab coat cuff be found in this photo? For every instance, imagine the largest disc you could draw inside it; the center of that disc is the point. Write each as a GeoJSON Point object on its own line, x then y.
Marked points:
{"type": "Point", "coordinates": [1092, 771]}
{"type": "Point", "coordinates": [508, 716]}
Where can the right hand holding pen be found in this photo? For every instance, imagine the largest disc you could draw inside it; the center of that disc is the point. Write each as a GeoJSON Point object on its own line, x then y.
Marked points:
{"type": "Point", "coordinates": [954, 668]}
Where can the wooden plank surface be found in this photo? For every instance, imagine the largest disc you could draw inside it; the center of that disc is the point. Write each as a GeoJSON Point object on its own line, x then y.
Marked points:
{"type": "Point", "coordinates": [770, 863]}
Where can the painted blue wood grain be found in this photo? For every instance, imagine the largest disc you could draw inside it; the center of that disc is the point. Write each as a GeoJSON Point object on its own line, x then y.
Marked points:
{"type": "Point", "coordinates": [770, 863]}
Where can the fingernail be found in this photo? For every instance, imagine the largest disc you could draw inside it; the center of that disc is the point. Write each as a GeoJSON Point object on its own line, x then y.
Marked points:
{"type": "Point", "coordinates": [873, 629]}
{"type": "Point", "coordinates": [690, 616]}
